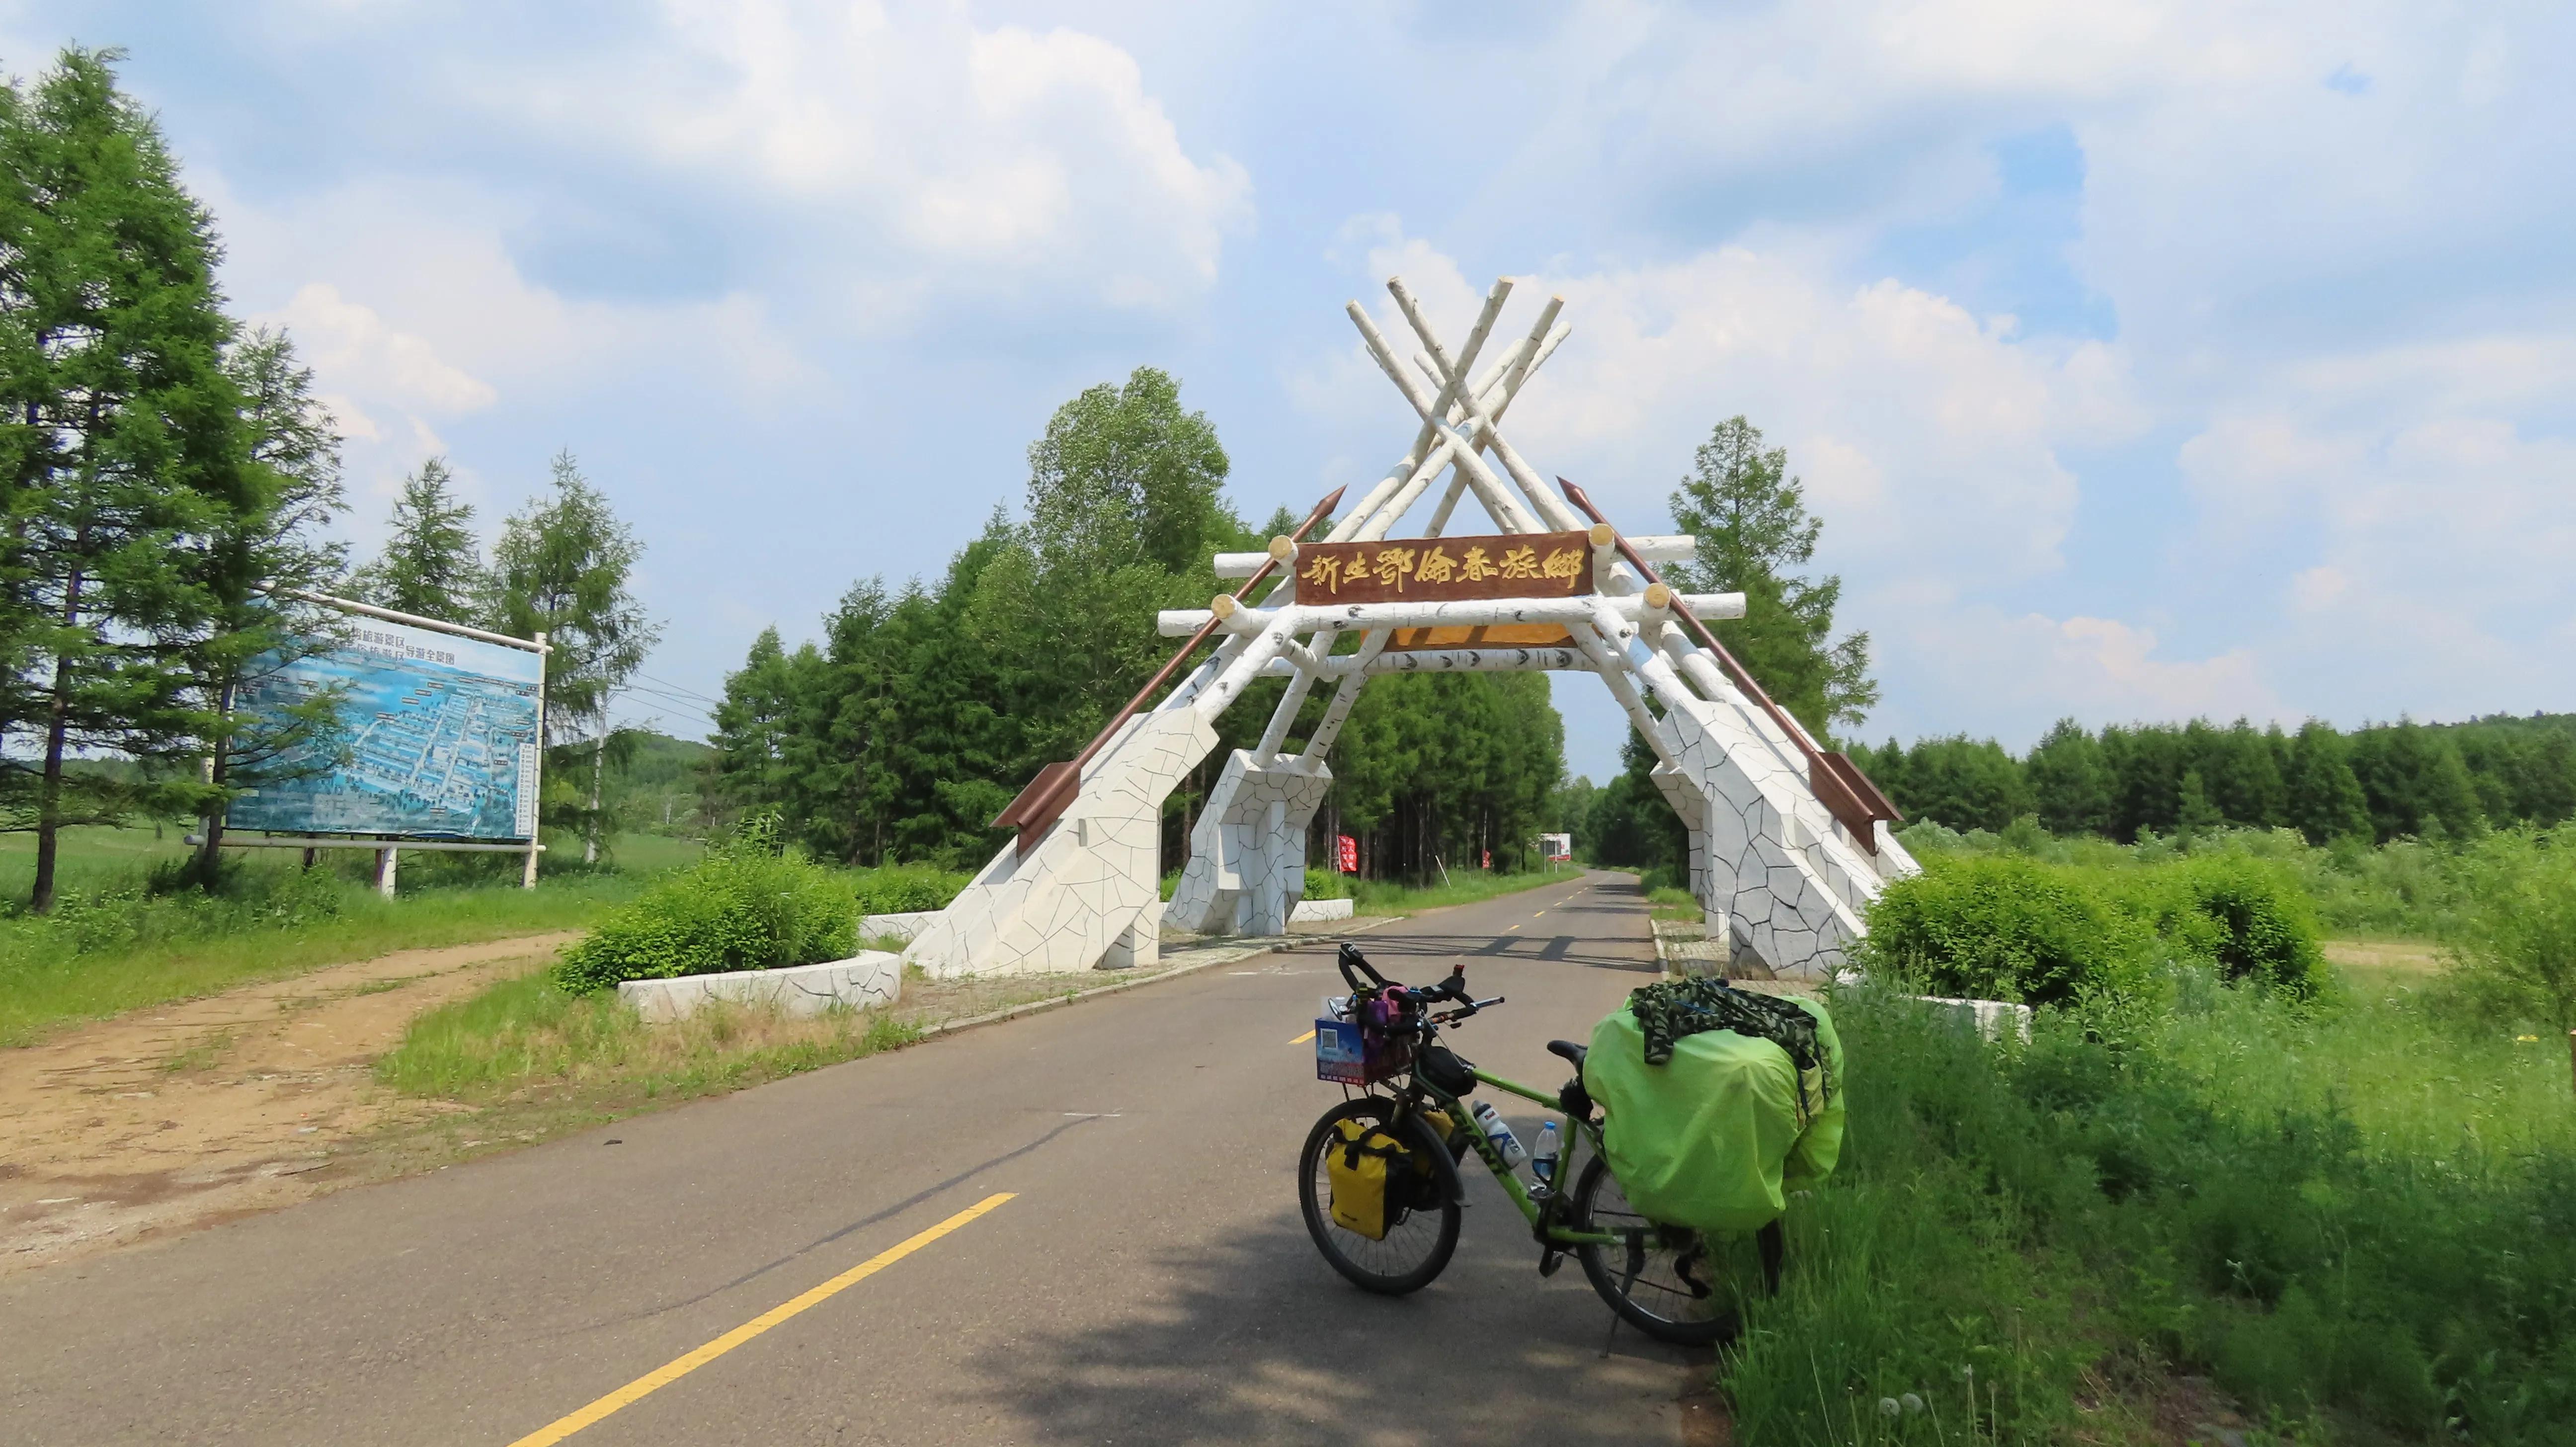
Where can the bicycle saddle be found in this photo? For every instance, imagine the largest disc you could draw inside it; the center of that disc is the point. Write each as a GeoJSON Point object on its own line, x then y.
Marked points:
{"type": "Point", "coordinates": [1572, 1052]}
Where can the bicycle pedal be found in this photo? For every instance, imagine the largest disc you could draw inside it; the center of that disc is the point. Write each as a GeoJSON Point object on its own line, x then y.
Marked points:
{"type": "Point", "coordinates": [1548, 1261]}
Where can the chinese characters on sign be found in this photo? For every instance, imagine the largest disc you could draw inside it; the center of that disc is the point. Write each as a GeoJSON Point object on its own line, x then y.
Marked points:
{"type": "Point", "coordinates": [1530, 565]}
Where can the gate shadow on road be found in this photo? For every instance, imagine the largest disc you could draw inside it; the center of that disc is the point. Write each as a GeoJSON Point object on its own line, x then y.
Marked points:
{"type": "Point", "coordinates": [1257, 1340]}
{"type": "Point", "coordinates": [1591, 954]}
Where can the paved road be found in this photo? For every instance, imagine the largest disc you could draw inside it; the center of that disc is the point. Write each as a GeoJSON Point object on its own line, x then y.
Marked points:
{"type": "Point", "coordinates": [1148, 1280]}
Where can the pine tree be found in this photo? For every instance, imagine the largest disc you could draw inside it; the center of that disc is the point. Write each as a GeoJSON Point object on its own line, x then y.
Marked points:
{"type": "Point", "coordinates": [2070, 788]}
{"type": "Point", "coordinates": [1756, 538]}
{"type": "Point", "coordinates": [431, 564]}
{"type": "Point", "coordinates": [121, 433]}
{"type": "Point", "coordinates": [259, 565]}
{"type": "Point", "coordinates": [2194, 815]}
{"type": "Point", "coordinates": [563, 568]}
{"type": "Point", "coordinates": [2325, 801]}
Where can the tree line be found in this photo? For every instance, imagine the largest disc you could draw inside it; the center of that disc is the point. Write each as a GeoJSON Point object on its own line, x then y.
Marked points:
{"type": "Point", "coordinates": [170, 478]}
{"type": "Point", "coordinates": [2378, 782]}
{"type": "Point", "coordinates": [924, 708]}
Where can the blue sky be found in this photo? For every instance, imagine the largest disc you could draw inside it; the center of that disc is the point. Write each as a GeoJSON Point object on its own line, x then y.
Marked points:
{"type": "Point", "coordinates": [2143, 361]}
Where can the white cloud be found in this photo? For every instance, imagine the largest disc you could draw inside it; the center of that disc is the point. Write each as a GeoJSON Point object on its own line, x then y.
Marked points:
{"type": "Point", "coordinates": [904, 153]}
{"type": "Point", "coordinates": [351, 345]}
{"type": "Point", "coordinates": [1927, 437]}
{"type": "Point", "coordinates": [1991, 670]}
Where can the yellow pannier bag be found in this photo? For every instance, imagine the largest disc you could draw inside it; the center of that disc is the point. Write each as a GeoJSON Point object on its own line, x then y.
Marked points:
{"type": "Point", "coordinates": [1360, 1164]}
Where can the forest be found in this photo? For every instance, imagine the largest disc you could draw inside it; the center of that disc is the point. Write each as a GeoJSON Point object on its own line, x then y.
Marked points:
{"type": "Point", "coordinates": [926, 705]}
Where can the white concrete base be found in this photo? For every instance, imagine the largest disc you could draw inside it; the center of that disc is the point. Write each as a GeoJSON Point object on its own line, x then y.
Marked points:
{"type": "Point", "coordinates": [1989, 1018]}
{"type": "Point", "coordinates": [904, 927]}
{"type": "Point", "coordinates": [1316, 911]}
{"type": "Point", "coordinates": [1139, 944]}
{"type": "Point", "coordinates": [871, 978]}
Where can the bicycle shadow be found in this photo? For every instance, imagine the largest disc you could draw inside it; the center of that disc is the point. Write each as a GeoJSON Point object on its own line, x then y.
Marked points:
{"type": "Point", "coordinates": [1257, 1340]}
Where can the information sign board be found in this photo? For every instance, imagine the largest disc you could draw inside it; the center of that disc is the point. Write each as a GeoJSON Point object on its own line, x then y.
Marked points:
{"type": "Point", "coordinates": [1393, 570]}
{"type": "Point", "coordinates": [441, 732]}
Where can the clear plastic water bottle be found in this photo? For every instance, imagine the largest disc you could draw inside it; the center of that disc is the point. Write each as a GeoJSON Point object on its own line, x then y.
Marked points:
{"type": "Point", "coordinates": [1499, 1134]}
{"type": "Point", "coordinates": [1543, 1156]}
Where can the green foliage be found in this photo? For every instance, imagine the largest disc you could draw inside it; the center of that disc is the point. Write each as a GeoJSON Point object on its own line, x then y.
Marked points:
{"type": "Point", "coordinates": [2379, 783]}
{"type": "Point", "coordinates": [747, 906]}
{"type": "Point", "coordinates": [1326, 884]}
{"type": "Point", "coordinates": [907, 888]}
{"type": "Point", "coordinates": [2517, 947]}
{"type": "Point", "coordinates": [123, 442]}
{"type": "Point", "coordinates": [532, 1035]}
{"type": "Point", "coordinates": [2004, 928]}
{"type": "Point", "coordinates": [431, 564]}
{"type": "Point", "coordinates": [2030, 923]}
{"type": "Point", "coordinates": [2338, 1210]}
{"type": "Point", "coordinates": [1757, 538]}
{"type": "Point", "coordinates": [2266, 930]}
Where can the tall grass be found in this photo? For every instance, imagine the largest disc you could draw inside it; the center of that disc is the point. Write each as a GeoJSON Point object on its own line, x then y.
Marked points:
{"type": "Point", "coordinates": [531, 1034]}
{"type": "Point", "coordinates": [2346, 1212]}
{"type": "Point", "coordinates": [124, 940]}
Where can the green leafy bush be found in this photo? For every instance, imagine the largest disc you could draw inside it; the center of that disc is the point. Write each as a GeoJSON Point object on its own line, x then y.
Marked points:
{"type": "Point", "coordinates": [2259, 925]}
{"type": "Point", "coordinates": [745, 907]}
{"type": "Point", "coordinates": [907, 888]}
{"type": "Point", "coordinates": [1327, 884]}
{"type": "Point", "coordinates": [2006, 928]}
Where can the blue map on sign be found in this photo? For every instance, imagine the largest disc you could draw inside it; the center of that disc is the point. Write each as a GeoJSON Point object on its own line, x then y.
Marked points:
{"type": "Point", "coordinates": [441, 733]}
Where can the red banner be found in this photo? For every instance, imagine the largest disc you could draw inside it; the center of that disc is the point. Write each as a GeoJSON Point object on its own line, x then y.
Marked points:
{"type": "Point", "coordinates": [1346, 854]}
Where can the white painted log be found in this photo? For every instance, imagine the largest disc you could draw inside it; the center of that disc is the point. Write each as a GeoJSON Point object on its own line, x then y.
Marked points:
{"type": "Point", "coordinates": [1489, 490]}
{"type": "Point", "coordinates": [1465, 660]}
{"type": "Point", "coordinates": [1666, 547]}
{"type": "Point", "coordinates": [1479, 428]}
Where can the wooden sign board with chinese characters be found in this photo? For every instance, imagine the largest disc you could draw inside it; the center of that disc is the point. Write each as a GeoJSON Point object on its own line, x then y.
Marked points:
{"type": "Point", "coordinates": [1441, 570]}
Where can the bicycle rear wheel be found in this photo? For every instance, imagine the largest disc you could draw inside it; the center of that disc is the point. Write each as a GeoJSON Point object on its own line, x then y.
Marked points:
{"type": "Point", "coordinates": [1670, 1282]}
{"type": "Point", "coordinates": [1417, 1245]}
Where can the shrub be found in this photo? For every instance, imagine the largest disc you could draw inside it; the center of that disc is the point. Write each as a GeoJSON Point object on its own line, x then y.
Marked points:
{"type": "Point", "coordinates": [2516, 950]}
{"type": "Point", "coordinates": [2001, 927]}
{"type": "Point", "coordinates": [2264, 928]}
{"type": "Point", "coordinates": [907, 888]}
{"type": "Point", "coordinates": [1327, 884]}
{"type": "Point", "coordinates": [742, 908]}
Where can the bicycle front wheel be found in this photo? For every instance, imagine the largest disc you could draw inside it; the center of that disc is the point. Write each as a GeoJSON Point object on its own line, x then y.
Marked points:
{"type": "Point", "coordinates": [1670, 1282]}
{"type": "Point", "coordinates": [1417, 1244]}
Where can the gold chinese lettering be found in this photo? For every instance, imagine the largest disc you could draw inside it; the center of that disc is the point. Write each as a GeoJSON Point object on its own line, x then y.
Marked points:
{"type": "Point", "coordinates": [1520, 563]}
{"type": "Point", "coordinates": [1436, 567]}
{"type": "Point", "coordinates": [1474, 568]}
{"type": "Point", "coordinates": [1564, 563]}
{"type": "Point", "coordinates": [1326, 570]}
{"type": "Point", "coordinates": [1393, 566]}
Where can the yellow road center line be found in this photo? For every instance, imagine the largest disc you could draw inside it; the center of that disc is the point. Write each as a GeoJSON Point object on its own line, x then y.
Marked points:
{"type": "Point", "coordinates": [679, 1367]}
{"type": "Point", "coordinates": [1302, 1039]}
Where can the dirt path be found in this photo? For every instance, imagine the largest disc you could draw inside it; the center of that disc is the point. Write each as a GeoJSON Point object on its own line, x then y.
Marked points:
{"type": "Point", "coordinates": [179, 1115]}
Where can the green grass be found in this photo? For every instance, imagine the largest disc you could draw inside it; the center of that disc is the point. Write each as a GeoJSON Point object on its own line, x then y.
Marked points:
{"type": "Point", "coordinates": [1387, 897]}
{"type": "Point", "coordinates": [529, 1040]}
{"type": "Point", "coordinates": [1675, 905]}
{"type": "Point", "coordinates": [2358, 1217]}
{"type": "Point", "coordinates": [111, 947]}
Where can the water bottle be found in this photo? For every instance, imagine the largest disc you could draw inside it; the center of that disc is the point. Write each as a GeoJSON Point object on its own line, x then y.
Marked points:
{"type": "Point", "coordinates": [1499, 1135]}
{"type": "Point", "coordinates": [1543, 1159]}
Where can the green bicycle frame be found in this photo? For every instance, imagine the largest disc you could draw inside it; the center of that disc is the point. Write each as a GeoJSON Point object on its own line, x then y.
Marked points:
{"type": "Point", "coordinates": [1533, 1210]}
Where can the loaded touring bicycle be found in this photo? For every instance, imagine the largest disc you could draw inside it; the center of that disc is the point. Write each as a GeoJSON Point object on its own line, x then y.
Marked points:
{"type": "Point", "coordinates": [1380, 1186]}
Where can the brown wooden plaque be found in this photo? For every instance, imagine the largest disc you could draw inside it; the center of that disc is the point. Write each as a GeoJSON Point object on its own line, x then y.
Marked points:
{"type": "Point", "coordinates": [1440, 570]}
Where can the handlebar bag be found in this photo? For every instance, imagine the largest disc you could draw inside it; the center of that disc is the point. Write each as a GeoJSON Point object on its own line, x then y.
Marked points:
{"type": "Point", "coordinates": [1715, 1137]}
{"type": "Point", "coordinates": [1373, 1176]}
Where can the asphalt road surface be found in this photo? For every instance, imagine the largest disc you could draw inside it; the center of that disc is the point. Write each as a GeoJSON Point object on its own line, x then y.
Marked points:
{"type": "Point", "coordinates": [772, 1267]}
